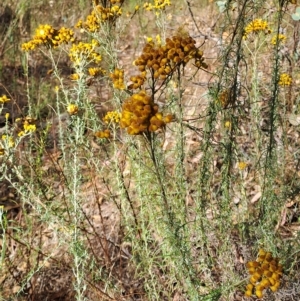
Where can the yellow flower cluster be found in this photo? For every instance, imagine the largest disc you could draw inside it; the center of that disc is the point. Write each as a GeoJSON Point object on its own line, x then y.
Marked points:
{"type": "Point", "coordinates": [4, 99]}
{"type": "Point", "coordinates": [158, 5]}
{"type": "Point", "coordinates": [74, 76]}
{"type": "Point", "coordinates": [140, 114]}
{"type": "Point", "coordinates": [28, 125]}
{"type": "Point", "coordinates": [118, 79]}
{"type": "Point", "coordinates": [64, 35]}
{"type": "Point", "coordinates": [242, 165]}
{"type": "Point", "coordinates": [47, 35]}
{"type": "Point", "coordinates": [285, 80]}
{"type": "Point", "coordinates": [96, 71]}
{"type": "Point", "coordinates": [161, 61]}
{"type": "Point", "coordinates": [278, 38]}
{"type": "Point", "coordinates": [158, 39]}
{"type": "Point", "coordinates": [112, 117]}
{"type": "Point", "coordinates": [265, 273]}
{"type": "Point", "coordinates": [72, 109]}
{"type": "Point", "coordinates": [137, 80]}
{"type": "Point", "coordinates": [256, 26]}
{"type": "Point", "coordinates": [8, 140]}
{"type": "Point", "coordinates": [85, 52]}
{"type": "Point", "coordinates": [103, 134]}
{"type": "Point", "coordinates": [98, 15]}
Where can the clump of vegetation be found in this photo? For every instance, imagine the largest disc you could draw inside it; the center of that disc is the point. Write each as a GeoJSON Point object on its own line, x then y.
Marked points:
{"type": "Point", "coordinates": [141, 168]}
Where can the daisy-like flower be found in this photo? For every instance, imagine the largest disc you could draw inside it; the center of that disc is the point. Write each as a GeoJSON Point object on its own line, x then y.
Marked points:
{"type": "Point", "coordinates": [118, 79]}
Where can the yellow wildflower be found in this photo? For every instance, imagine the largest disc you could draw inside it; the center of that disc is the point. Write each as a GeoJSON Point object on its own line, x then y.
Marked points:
{"type": "Point", "coordinates": [28, 46]}
{"type": "Point", "coordinates": [72, 109]}
{"type": "Point", "coordinates": [256, 26]}
{"type": "Point", "coordinates": [158, 5]}
{"type": "Point", "coordinates": [44, 34]}
{"type": "Point", "coordinates": [158, 40]}
{"type": "Point", "coordinates": [96, 71]}
{"type": "Point", "coordinates": [6, 116]}
{"type": "Point", "coordinates": [47, 35]}
{"type": "Point", "coordinates": [227, 124]}
{"type": "Point", "coordinates": [99, 15]}
{"type": "Point", "coordinates": [112, 117]}
{"type": "Point", "coordinates": [64, 35]}
{"type": "Point", "coordinates": [103, 134]}
{"type": "Point", "coordinates": [149, 39]}
{"type": "Point", "coordinates": [9, 140]}
{"type": "Point", "coordinates": [29, 127]}
{"type": "Point", "coordinates": [4, 99]}
{"type": "Point", "coordinates": [74, 76]}
{"type": "Point", "coordinates": [242, 165]}
{"type": "Point", "coordinates": [285, 80]}
{"type": "Point", "coordinates": [118, 79]}
{"type": "Point", "coordinates": [278, 38]}
{"type": "Point", "coordinates": [116, 10]}
{"type": "Point", "coordinates": [85, 52]}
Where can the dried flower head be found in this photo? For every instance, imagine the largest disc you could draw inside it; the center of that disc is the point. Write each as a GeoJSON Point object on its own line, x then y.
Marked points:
{"type": "Point", "coordinates": [140, 114]}
{"type": "Point", "coordinates": [160, 61]}
{"type": "Point", "coordinates": [265, 273]}
{"type": "Point", "coordinates": [118, 79]}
